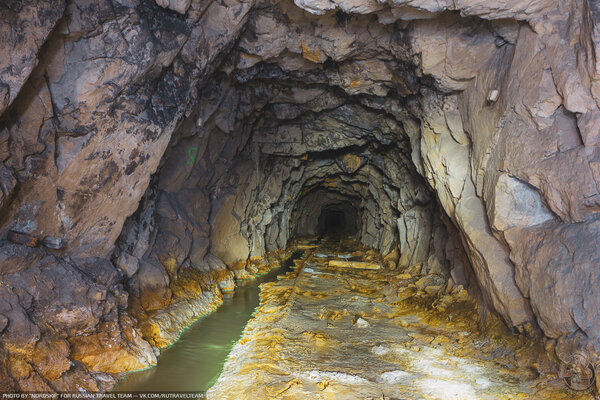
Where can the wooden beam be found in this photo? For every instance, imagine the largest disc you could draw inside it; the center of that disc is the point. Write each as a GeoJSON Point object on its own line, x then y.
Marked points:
{"type": "Point", "coordinates": [354, 264]}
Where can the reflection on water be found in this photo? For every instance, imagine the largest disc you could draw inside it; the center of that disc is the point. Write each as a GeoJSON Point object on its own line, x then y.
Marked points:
{"type": "Point", "coordinates": [195, 361]}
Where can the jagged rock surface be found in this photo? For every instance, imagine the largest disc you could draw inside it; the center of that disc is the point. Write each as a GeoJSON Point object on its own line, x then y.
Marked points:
{"type": "Point", "coordinates": [168, 143]}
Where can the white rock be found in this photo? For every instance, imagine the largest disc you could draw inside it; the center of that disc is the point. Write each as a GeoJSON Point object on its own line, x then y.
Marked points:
{"type": "Point", "coordinates": [380, 350]}
{"type": "Point", "coordinates": [483, 382]}
{"type": "Point", "coordinates": [340, 377]}
{"type": "Point", "coordinates": [517, 204]}
{"type": "Point", "coordinates": [394, 377]}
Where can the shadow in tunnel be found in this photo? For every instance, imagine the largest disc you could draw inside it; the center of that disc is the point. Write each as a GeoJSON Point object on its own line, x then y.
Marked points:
{"type": "Point", "coordinates": [332, 223]}
{"type": "Point", "coordinates": [325, 212]}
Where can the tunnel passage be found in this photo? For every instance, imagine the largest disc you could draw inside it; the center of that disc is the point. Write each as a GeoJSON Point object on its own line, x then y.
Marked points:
{"type": "Point", "coordinates": [169, 146]}
{"type": "Point", "coordinates": [286, 147]}
{"type": "Point", "coordinates": [326, 212]}
{"type": "Point", "coordinates": [333, 221]}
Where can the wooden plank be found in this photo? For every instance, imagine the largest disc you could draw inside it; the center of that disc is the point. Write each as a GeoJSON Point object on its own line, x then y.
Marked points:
{"type": "Point", "coordinates": [354, 264]}
{"type": "Point", "coordinates": [306, 246]}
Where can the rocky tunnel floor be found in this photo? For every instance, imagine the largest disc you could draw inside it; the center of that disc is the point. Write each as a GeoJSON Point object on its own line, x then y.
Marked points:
{"type": "Point", "coordinates": [330, 330]}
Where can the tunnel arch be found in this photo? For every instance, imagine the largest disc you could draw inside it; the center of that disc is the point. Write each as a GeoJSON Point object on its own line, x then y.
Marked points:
{"type": "Point", "coordinates": [309, 215]}
{"type": "Point", "coordinates": [155, 145]}
{"type": "Point", "coordinates": [338, 220]}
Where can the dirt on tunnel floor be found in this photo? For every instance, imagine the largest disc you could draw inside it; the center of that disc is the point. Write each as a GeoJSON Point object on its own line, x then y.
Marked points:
{"type": "Point", "coordinates": [329, 332]}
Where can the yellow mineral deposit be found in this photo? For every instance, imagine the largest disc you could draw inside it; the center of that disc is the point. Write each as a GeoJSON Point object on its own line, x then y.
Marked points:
{"type": "Point", "coordinates": [311, 55]}
{"type": "Point", "coordinates": [354, 264]}
{"type": "Point", "coordinates": [350, 329]}
{"type": "Point", "coordinates": [306, 246]}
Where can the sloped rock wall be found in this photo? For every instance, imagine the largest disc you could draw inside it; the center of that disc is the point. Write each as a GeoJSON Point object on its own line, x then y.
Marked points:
{"type": "Point", "coordinates": [79, 141]}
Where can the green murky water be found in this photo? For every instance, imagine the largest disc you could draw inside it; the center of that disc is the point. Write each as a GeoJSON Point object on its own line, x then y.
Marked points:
{"type": "Point", "coordinates": [194, 362]}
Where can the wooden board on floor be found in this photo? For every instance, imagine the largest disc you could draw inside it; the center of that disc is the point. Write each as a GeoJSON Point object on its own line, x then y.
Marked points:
{"type": "Point", "coordinates": [306, 246]}
{"type": "Point", "coordinates": [354, 264]}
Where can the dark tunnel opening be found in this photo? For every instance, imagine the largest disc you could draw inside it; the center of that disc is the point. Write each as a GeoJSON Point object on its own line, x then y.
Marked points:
{"type": "Point", "coordinates": [326, 212]}
{"type": "Point", "coordinates": [336, 221]}
{"type": "Point", "coordinates": [332, 221]}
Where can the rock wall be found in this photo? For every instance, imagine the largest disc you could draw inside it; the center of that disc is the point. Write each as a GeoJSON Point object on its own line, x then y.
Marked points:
{"type": "Point", "coordinates": [241, 175]}
{"type": "Point", "coordinates": [91, 93]}
{"type": "Point", "coordinates": [171, 144]}
{"type": "Point", "coordinates": [528, 165]}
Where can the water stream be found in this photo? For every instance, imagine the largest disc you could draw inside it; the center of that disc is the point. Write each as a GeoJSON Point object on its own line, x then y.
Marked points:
{"type": "Point", "coordinates": [194, 362]}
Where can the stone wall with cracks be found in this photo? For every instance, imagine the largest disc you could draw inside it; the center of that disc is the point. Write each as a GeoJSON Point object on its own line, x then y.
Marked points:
{"type": "Point", "coordinates": [169, 145]}
{"type": "Point", "coordinates": [241, 168]}
{"type": "Point", "coordinates": [92, 92]}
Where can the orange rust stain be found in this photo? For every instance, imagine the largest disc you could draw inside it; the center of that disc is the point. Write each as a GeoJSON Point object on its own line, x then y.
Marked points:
{"type": "Point", "coordinates": [351, 162]}
{"type": "Point", "coordinates": [354, 83]}
{"type": "Point", "coordinates": [314, 56]}
{"type": "Point", "coordinates": [330, 182]}
{"type": "Point", "coordinates": [250, 56]}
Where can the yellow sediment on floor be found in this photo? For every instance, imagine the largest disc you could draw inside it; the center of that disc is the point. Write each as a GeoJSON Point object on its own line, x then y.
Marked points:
{"type": "Point", "coordinates": [347, 333]}
{"type": "Point", "coordinates": [354, 264]}
{"type": "Point", "coordinates": [306, 246]}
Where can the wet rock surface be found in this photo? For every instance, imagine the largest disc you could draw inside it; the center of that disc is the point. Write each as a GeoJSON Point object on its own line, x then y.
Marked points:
{"type": "Point", "coordinates": [325, 332]}
{"type": "Point", "coordinates": [64, 323]}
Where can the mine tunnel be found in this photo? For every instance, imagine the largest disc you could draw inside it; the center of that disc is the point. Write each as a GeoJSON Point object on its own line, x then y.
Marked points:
{"type": "Point", "coordinates": [300, 199]}
{"type": "Point", "coordinates": [332, 221]}
{"type": "Point", "coordinates": [325, 212]}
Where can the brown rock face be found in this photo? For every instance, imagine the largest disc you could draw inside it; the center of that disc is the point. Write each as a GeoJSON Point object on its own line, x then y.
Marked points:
{"type": "Point", "coordinates": [24, 27]}
{"type": "Point", "coordinates": [57, 311]}
{"type": "Point", "coordinates": [171, 144]}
